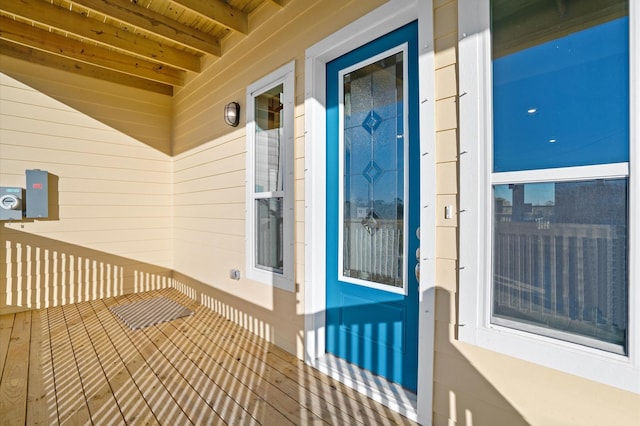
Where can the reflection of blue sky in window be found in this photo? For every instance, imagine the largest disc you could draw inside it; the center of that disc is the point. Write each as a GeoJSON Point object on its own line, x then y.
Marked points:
{"type": "Point", "coordinates": [536, 194]}
{"type": "Point", "coordinates": [565, 102]}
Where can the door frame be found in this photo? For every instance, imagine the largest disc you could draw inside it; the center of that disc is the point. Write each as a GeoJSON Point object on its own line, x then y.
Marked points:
{"type": "Point", "coordinates": [379, 22]}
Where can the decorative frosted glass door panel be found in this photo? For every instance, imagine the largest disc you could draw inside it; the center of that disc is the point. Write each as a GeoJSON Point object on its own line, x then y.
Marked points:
{"type": "Point", "coordinates": [372, 189]}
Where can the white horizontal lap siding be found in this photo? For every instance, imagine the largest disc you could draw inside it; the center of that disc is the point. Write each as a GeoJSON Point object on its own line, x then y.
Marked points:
{"type": "Point", "coordinates": [112, 207]}
{"type": "Point", "coordinates": [213, 166]}
{"type": "Point", "coordinates": [104, 164]}
{"type": "Point", "coordinates": [208, 218]}
{"type": "Point", "coordinates": [102, 143]}
{"type": "Point", "coordinates": [216, 195]}
{"type": "Point", "coordinates": [142, 115]}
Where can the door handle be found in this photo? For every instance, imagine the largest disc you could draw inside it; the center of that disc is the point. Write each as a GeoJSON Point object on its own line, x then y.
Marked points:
{"type": "Point", "coordinates": [417, 268]}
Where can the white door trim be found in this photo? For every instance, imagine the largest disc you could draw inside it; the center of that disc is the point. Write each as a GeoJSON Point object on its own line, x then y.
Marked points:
{"type": "Point", "coordinates": [377, 23]}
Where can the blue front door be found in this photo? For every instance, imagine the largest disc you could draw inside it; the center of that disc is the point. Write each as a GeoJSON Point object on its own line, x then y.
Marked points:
{"type": "Point", "coordinates": [372, 206]}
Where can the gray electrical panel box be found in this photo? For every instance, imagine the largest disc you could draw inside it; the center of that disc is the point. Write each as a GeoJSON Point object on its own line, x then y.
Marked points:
{"type": "Point", "coordinates": [37, 196]}
{"type": "Point", "coordinates": [10, 203]}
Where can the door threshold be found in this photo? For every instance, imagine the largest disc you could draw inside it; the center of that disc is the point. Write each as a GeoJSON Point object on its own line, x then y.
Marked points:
{"type": "Point", "coordinates": [375, 387]}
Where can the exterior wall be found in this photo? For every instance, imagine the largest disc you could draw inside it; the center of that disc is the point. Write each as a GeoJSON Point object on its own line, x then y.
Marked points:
{"type": "Point", "coordinates": [473, 385]}
{"type": "Point", "coordinates": [141, 115]}
{"type": "Point", "coordinates": [209, 235]}
{"type": "Point", "coordinates": [109, 193]}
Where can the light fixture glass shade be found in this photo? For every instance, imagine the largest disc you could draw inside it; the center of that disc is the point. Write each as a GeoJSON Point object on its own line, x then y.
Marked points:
{"type": "Point", "coordinates": [232, 113]}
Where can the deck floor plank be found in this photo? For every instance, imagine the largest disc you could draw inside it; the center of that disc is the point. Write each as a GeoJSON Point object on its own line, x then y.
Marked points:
{"type": "Point", "coordinates": [240, 390]}
{"type": "Point", "coordinates": [82, 365]}
{"type": "Point", "coordinates": [323, 395]}
{"type": "Point", "coordinates": [66, 378]}
{"type": "Point", "coordinates": [162, 403]}
{"type": "Point", "coordinates": [249, 370]}
{"type": "Point", "coordinates": [153, 346]}
{"type": "Point", "coordinates": [198, 380]}
{"type": "Point", "coordinates": [211, 345]}
{"type": "Point", "coordinates": [13, 386]}
{"type": "Point", "coordinates": [6, 325]}
{"type": "Point", "coordinates": [327, 393]}
{"type": "Point", "coordinates": [187, 362]}
{"type": "Point", "coordinates": [130, 400]}
{"type": "Point", "coordinates": [39, 395]}
{"type": "Point", "coordinates": [97, 391]}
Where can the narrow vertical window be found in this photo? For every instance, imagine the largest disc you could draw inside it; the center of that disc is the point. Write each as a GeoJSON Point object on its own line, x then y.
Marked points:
{"type": "Point", "coordinates": [269, 179]}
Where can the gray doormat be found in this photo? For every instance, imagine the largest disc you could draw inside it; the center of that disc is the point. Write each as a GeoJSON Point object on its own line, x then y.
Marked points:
{"type": "Point", "coordinates": [150, 312]}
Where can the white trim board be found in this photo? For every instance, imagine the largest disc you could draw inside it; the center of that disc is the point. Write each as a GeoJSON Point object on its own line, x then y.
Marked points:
{"type": "Point", "coordinates": [382, 20]}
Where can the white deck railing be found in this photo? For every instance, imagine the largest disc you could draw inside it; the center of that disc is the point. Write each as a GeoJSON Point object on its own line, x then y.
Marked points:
{"type": "Point", "coordinates": [374, 252]}
{"type": "Point", "coordinates": [565, 272]}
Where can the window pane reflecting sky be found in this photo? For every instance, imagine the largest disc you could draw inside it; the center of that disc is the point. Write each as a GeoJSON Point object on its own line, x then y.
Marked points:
{"type": "Point", "coordinates": [565, 102]}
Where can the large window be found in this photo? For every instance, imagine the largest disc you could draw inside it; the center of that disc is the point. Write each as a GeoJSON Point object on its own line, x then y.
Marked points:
{"type": "Point", "coordinates": [561, 101]}
{"type": "Point", "coordinates": [269, 178]}
{"type": "Point", "coordinates": [553, 208]}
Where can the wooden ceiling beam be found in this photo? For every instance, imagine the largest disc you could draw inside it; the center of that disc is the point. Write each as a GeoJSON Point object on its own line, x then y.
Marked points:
{"type": "Point", "coordinates": [219, 11]}
{"type": "Point", "coordinates": [58, 62]}
{"type": "Point", "coordinates": [154, 23]}
{"type": "Point", "coordinates": [74, 23]}
{"type": "Point", "coordinates": [29, 36]}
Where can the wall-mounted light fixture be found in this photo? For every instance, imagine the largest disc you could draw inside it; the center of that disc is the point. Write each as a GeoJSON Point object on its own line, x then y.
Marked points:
{"type": "Point", "coordinates": [232, 113]}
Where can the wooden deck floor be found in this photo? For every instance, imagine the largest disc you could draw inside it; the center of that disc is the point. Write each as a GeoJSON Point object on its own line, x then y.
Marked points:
{"type": "Point", "coordinates": [79, 364]}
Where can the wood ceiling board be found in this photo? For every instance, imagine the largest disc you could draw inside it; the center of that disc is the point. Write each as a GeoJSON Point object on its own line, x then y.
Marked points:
{"type": "Point", "coordinates": [74, 23]}
{"type": "Point", "coordinates": [25, 35]}
{"type": "Point", "coordinates": [58, 62]}
{"type": "Point", "coordinates": [155, 23]}
{"type": "Point", "coordinates": [156, 40]}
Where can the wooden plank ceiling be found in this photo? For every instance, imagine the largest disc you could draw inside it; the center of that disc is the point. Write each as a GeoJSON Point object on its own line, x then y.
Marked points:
{"type": "Point", "coordinates": [148, 44]}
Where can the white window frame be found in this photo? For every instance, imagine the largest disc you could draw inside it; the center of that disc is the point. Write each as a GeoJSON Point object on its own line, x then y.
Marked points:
{"type": "Point", "coordinates": [284, 280]}
{"type": "Point", "coordinates": [476, 180]}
